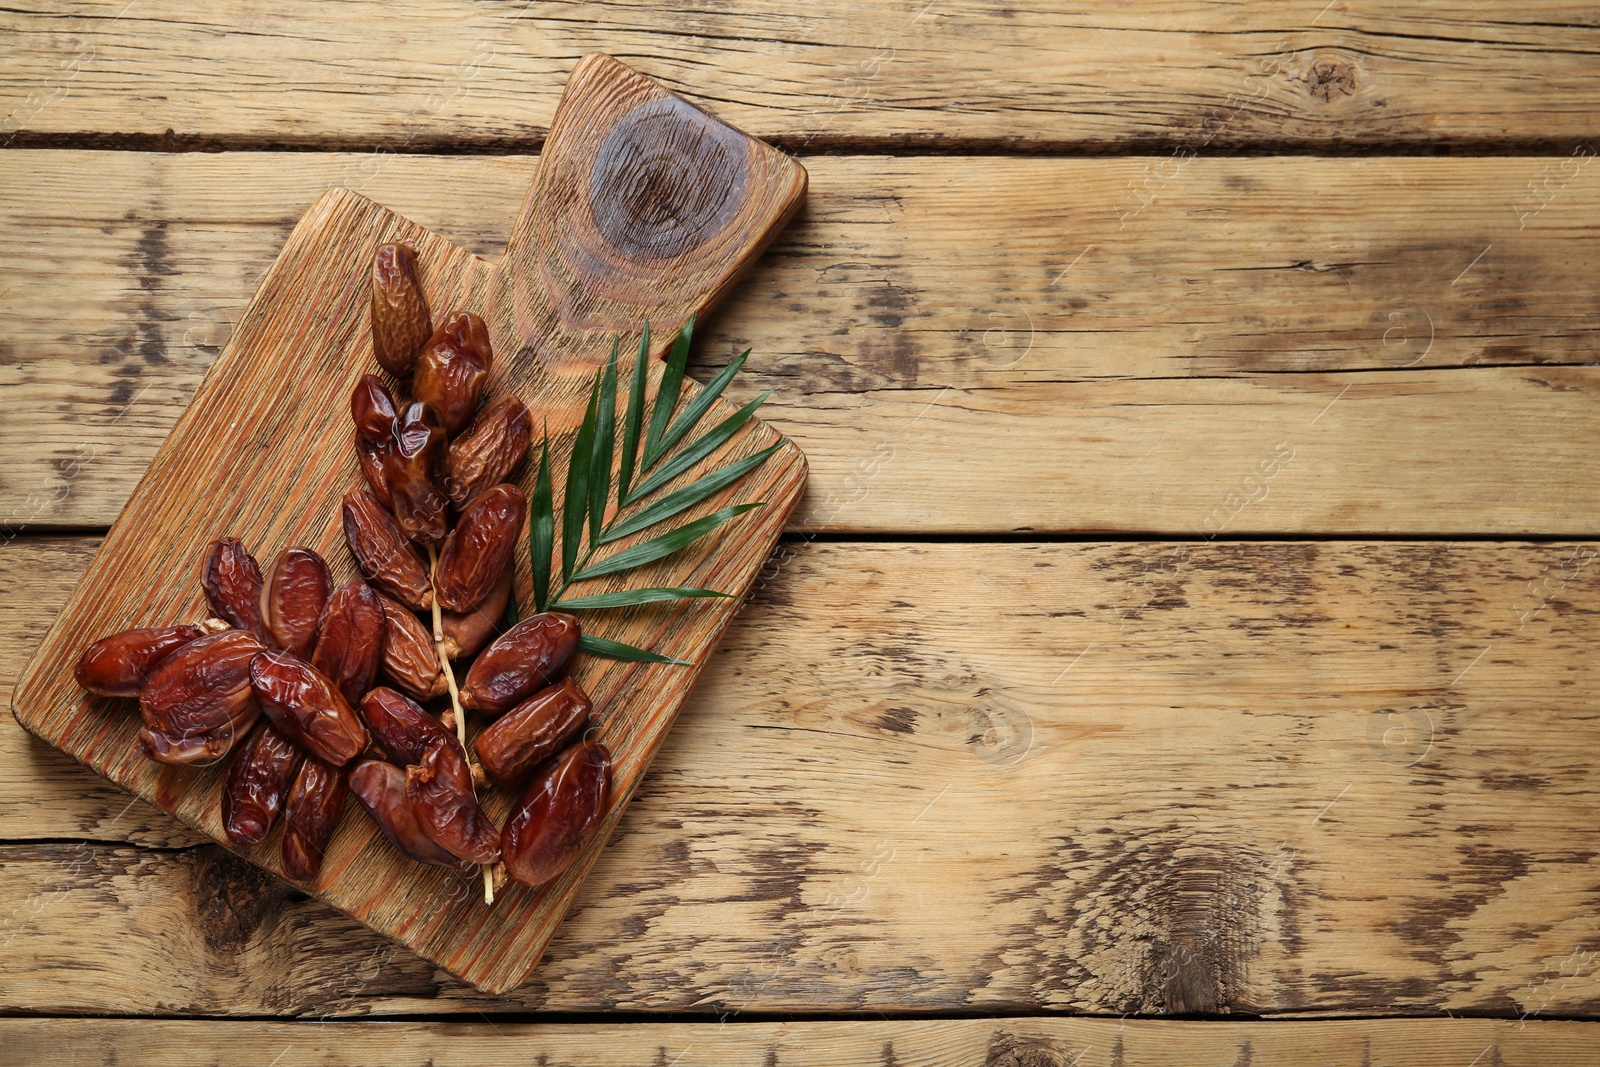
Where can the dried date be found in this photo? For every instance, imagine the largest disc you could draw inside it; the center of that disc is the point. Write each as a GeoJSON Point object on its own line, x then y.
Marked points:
{"type": "Point", "coordinates": [293, 598]}
{"type": "Point", "coordinates": [440, 791]}
{"type": "Point", "coordinates": [400, 324]}
{"type": "Point", "coordinates": [477, 551]}
{"type": "Point", "coordinates": [350, 639]}
{"type": "Point", "coordinates": [558, 814]}
{"type": "Point", "coordinates": [372, 408]}
{"type": "Point", "coordinates": [490, 450]}
{"type": "Point", "coordinates": [452, 370]}
{"type": "Point", "coordinates": [381, 789]}
{"type": "Point", "coordinates": [232, 581]}
{"type": "Point", "coordinates": [526, 658]}
{"type": "Point", "coordinates": [258, 778]}
{"type": "Point", "coordinates": [117, 666]}
{"type": "Point", "coordinates": [198, 702]}
{"type": "Point", "coordinates": [409, 657]}
{"type": "Point", "coordinates": [316, 803]}
{"type": "Point", "coordinates": [413, 469]}
{"type": "Point", "coordinates": [533, 731]}
{"type": "Point", "coordinates": [385, 556]}
{"type": "Point", "coordinates": [467, 632]}
{"type": "Point", "coordinates": [369, 457]}
{"type": "Point", "coordinates": [304, 704]}
{"type": "Point", "coordinates": [400, 724]}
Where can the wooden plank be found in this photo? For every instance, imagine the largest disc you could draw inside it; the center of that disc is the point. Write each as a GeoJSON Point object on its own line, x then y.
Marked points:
{"type": "Point", "coordinates": [909, 308]}
{"type": "Point", "coordinates": [40, 787]}
{"type": "Point", "coordinates": [1348, 777]}
{"type": "Point", "coordinates": [834, 73]}
{"type": "Point", "coordinates": [264, 454]}
{"type": "Point", "coordinates": [1026, 1042]}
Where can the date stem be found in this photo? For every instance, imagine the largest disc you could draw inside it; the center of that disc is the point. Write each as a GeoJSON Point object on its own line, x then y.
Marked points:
{"type": "Point", "coordinates": [438, 613]}
{"type": "Point", "coordinates": [456, 710]}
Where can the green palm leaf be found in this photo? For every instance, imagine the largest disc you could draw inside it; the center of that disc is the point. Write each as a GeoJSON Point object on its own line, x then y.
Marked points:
{"type": "Point", "coordinates": [689, 495]}
{"type": "Point", "coordinates": [605, 429]}
{"type": "Point", "coordinates": [699, 448]}
{"type": "Point", "coordinates": [601, 646]}
{"type": "Point", "coordinates": [664, 545]}
{"type": "Point", "coordinates": [576, 503]}
{"type": "Point", "coordinates": [633, 421]}
{"type": "Point", "coordinates": [696, 408]}
{"type": "Point", "coordinates": [627, 598]}
{"type": "Point", "coordinates": [667, 395]}
{"type": "Point", "coordinates": [541, 532]}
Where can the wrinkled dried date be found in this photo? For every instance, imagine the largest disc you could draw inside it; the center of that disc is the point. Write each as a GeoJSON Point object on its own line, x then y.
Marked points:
{"type": "Point", "coordinates": [477, 551]}
{"type": "Point", "coordinates": [232, 581]}
{"type": "Point", "coordinates": [413, 469]}
{"type": "Point", "coordinates": [409, 657]}
{"type": "Point", "coordinates": [350, 639]}
{"type": "Point", "coordinates": [369, 457]}
{"type": "Point", "coordinates": [117, 666]}
{"type": "Point", "coordinates": [400, 724]}
{"type": "Point", "coordinates": [526, 658]}
{"type": "Point", "coordinates": [198, 702]}
{"type": "Point", "coordinates": [557, 814]}
{"type": "Point", "coordinates": [440, 791]}
{"type": "Point", "coordinates": [399, 311]}
{"type": "Point", "coordinates": [258, 779]}
{"type": "Point", "coordinates": [491, 448]}
{"type": "Point", "coordinates": [452, 370]}
{"type": "Point", "coordinates": [372, 408]}
{"type": "Point", "coordinates": [303, 703]}
{"type": "Point", "coordinates": [381, 788]}
{"type": "Point", "coordinates": [466, 632]}
{"type": "Point", "coordinates": [293, 598]}
{"type": "Point", "coordinates": [533, 731]}
{"type": "Point", "coordinates": [383, 553]}
{"type": "Point", "coordinates": [309, 818]}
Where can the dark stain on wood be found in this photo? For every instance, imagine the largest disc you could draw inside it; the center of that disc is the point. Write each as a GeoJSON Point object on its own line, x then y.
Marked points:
{"type": "Point", "coordinates": [899, 720]}
{"type": "Point", "coordinates": [1164, 921]}
{"type": "Point", "coordinates": [232, 899]}
{"type": "Point", "coordinates": [1011, 1050]}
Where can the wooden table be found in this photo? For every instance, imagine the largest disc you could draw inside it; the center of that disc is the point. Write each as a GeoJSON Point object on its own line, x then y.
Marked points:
{"type": "Point", "coordinates": [1192, 613]}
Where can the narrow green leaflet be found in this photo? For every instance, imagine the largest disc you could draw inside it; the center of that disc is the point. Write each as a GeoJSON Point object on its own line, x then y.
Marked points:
{"type": "Point", "coordinates": [634, 419]}
{"type": "Point", "coordinates": [665, 545]}
{"type": "Point", "coordinates": [627, 598]}
{"type": "Point", "coordinates": [511, 617]}
{"type": "Point", "coordinates": [667, 396]}
{"type": "Point", "coordinates": [652, 454]}
{"type": "Point", "coordinates": [576, 504]}
{"type": "Point", "coordinates": [699, 448]}
{"type": "Point", "coordinates": [697, 407]}
{"type": "Point", "coordinates": [604, 434]}
{"type": "Point", "coordinates": [601, 646]}
{"type": "Point", "coordinates": [689, 495]}
{"type": "Point", "coordinates": [541, 532]}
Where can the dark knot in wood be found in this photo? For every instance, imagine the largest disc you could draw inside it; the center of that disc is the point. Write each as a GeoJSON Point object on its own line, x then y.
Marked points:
{"type": "Point", "coordinates": [666, 179]}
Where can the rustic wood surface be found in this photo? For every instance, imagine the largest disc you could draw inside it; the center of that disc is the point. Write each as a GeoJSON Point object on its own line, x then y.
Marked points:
{"type": "Point", "coordinates": [1025, 717]}
{"type": "Point", "coordinates": [948, 1043]}
{"type": "Point", "coordinates": [1142, 777]}
{"type": "Point", "coordinates": [263, 453]}
{"type": "Point", "coordinates": [1357, 310]}
{"type": "Point", "coordinates": [842, 73]}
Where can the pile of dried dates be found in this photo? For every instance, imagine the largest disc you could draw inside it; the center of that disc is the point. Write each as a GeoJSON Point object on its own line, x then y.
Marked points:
{"type": "Point", "coordinates": [284, 675]}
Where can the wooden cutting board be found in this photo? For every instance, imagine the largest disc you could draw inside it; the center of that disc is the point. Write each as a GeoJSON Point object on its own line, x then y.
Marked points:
{"type": "Point", "coordinates": [644, 208]}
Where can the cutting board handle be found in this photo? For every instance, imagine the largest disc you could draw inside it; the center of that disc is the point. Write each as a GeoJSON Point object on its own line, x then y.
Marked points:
{"type": "Point", "coordinates": [644, 208]}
